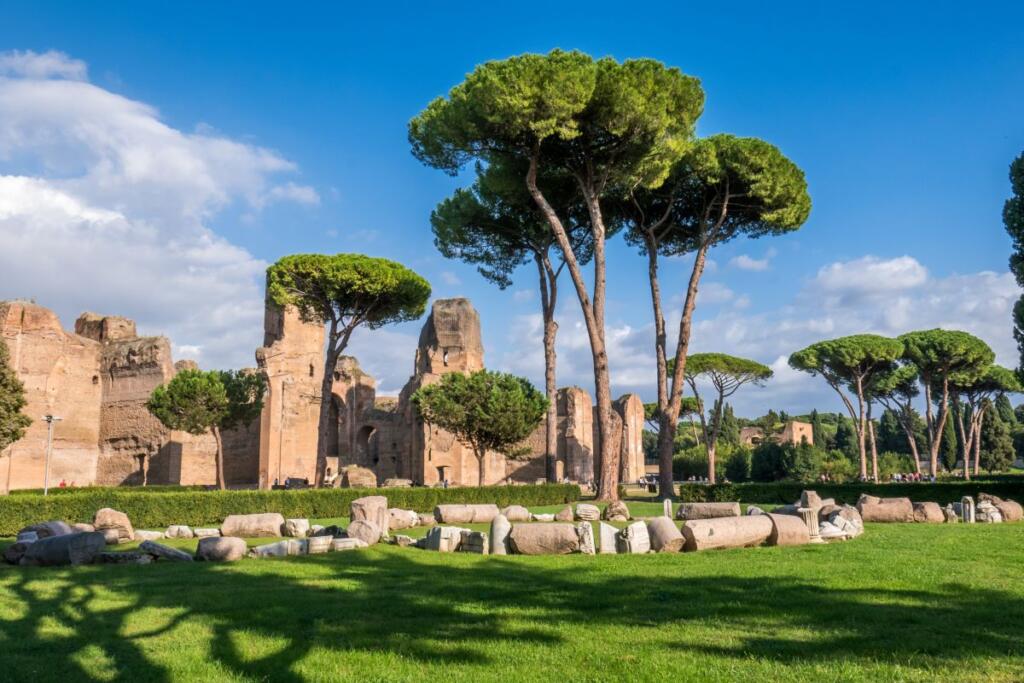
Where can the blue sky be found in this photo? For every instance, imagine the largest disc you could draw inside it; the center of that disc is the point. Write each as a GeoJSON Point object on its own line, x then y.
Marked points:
{"type": "Point", "coordinates": [285, 131]}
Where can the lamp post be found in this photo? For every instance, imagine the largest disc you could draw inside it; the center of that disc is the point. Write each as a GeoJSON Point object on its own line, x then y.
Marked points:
{"type": "Point", "coordinates": [49, 419]}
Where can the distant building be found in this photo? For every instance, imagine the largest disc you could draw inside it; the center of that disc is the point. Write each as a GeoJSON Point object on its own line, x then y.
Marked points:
{"type": "Point", "coordinates": [794, 432]}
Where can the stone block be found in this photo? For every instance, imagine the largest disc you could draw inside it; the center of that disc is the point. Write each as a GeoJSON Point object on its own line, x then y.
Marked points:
{"type": "Point", "coordinates": [633, 540]}
{"type": "Point", "coordinates": [164, 552]}
{"type": "Point", "coordinates": [664, 535]}
{"type": "Point", "coordinates": [544, 539]}
{"type": "Point", "coordinates": [707, 510]}
{"type": "Point", "coordinates": [296, 528]}
{"type": "Point", "coordinates": [788, 530]}
{"type": "Point", "coordinates": [466, 514]}
{"type": "Point", "coordinates": [500, 529]}
{"type": "Point", "coordinates": [726, 532]}
{"type": "Point", "coordinates": [221, 549]}
{"type": "Point", "coordinates": [261, 525]}
{"type": "Point", "coordinates": [609, 536]}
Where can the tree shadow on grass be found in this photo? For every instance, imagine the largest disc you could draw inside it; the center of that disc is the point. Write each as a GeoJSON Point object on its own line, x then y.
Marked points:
{"type": "Point", "coordinates": [456, 610]}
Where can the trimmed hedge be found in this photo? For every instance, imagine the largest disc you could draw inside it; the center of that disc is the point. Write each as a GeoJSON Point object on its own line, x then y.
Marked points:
{"type": "Point", "coordinates": [782, 493]}
{"type": "Point", "coordinates": [156, 510]}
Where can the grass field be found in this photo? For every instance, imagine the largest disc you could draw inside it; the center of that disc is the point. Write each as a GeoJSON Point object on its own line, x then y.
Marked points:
{"type": "Point", "coordinates": [903, 602]}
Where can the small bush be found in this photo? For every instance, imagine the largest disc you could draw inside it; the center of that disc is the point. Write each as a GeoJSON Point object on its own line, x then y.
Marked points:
{"type": "Point", "coordinates": [737, 467]}
{"type": "Point", "coordinates": [158, 509]}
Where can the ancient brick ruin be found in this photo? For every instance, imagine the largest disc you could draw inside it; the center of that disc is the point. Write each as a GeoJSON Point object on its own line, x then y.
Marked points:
{"type": "Point", "coordinates": [99, 377]}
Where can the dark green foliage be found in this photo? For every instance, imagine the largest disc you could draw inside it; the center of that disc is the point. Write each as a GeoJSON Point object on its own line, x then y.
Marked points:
{"type": "Point", "coordinates": [245, 391]}
{"type": "Point", "coordinates": [1006, 412]}
{"type": "Point", "coordinates": [160, 508]}
{"type": "Point", "coordinates": [766, 463]}
{"type": "Point", "coordinates": [737, 465]}
{"type": "Point", "coordinates": [1013, 220]}
{"type": "Point", "coordinates": [730, 433]}
{"type": "Point", "coordinates": [818, 430]}
{"type": "Point", "coordinates": [13, 422]}
{"type": "Point", "coordinates": [846, 438]}
{"type": "Point", "coordinates": [997, 451]}
{"type": "Point", "coordinates": [890, 434]}
{"type": "Point", "coordinates": [949, 448]}
{"type": "Point", "coordinates": [488, 411]}
{"type": "Point", "coordinates": [193, 401]}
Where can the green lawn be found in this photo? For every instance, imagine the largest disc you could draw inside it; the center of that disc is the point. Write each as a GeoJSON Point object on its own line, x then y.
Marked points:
{"type": "Point", "coordinates": [903, 602]}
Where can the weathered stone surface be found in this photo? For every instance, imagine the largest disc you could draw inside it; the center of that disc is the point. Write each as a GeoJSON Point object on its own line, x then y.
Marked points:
{"type": "Point", "coordinates": [886, 510]}
{"type": "Point", "coordinates": [564, 515]}
{"type": "Point", "coordinates": [444, 539]}
{"type": "Point", "coordinates": [402, 541]}
{"type": "Point", "coordinates": [296, 527]}
{"type": "Point", "coordinates": [929, 513]}
{"type": "Point", "coordinates": [616, 511]}
{"type": "Point", "coordinates": [810, 499]}
{"type": "Point", "coordinates": [542, 517]}
{"type": "Point", "coordinates": [754, 510]}
{"type": "Point", "coordinates": [788, 530]}
{"type": "Point", "coordinates": [987, 513]}
{"type": "Point", "coordinates": [108, 518]}
{"type": "Point", "coordinates": [164, 552]}
{"type": "Point", "coordinates": [355, 477]}
{"type": "Point", "coordinates": [287, 548]}
{"type": "Point", "coordinates": [609, 536]}
{"type": "Point", "coordinates": [15, 551]}
{"type": "Point", "coordinates": [474, 542]}
{"type": "Point", "coordinates": [82, 526]}
{"type": "Point", "coordinates": [112, 536]}
{"type": "Point", "coordinates": [427, 519]}
{"type": "Point", "coordinates": [466, 514]}
{"type": "Point", "coordinates": [261, 525]}
{"type": "Point", "coordinates": [848, 519]}
{"type": "Point", "coordinates": [501, 527]}
{"type": "Point", "coordinates": [633, 540]}
{"type": "Point", "coordinates": [951, 514]}
{"type": "Point", "coordinates": [587, 513]}
{"type": "Point", "coordinates": [516, 513]}
{"type": "Point", "coordinates": [221, 549]}
{"type": "Point", "coordinates": [707, 510]}
{"type": "Point", "coordinates": [967, 510]}
{"type": "Point", "coordinates": [826, 510]}
{"type": "Point", "coordinates": [147, 535]}
{"type": "Point", "coordinates": [129, 557]}
{"type": "Point", "coordinates": [342, 544]}
{"type": "Point", "coordinates": [585, 532]}
{"type": "Point", "coordinates": [1010, 510]}
{"type": "Point", "coordinates": [397, 483]}
{"type": "Point", "coordinates": [27, 537]}
{"type": "Point", "coordinates": [830, 532]}
{"type": "Point", "coordinates": [332, 530]}
{"type": "Point", "coordinates": [317, 545]}
{"type": "Point", "coordinates": [52, 528]}
{"type": "Point", "coordinates": [179, 531]}
{"type": "Point", "coordinates": [544, 539]}
{"type": "Point", "coordinates": [201, 532]}
{"type": "Point", "coordinates": [372, 509]}
{"type": "Point", "coordinates": [726, 532]}
{"type": "Point", "coordinates": [366, 531]}
{"type": "Point", "coordinates": [664, 536]}
{"type": "Point", "coordinates": [402, 519]}
{"type": "Point", "coordinates": [75, 548]}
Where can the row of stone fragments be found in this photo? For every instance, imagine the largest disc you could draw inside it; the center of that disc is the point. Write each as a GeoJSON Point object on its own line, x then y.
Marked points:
{"type": "Point", "coordinates": [988, 510]}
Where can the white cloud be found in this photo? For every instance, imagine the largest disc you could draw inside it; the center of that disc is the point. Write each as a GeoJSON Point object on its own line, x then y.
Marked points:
{"type": "Point", "coordinates": [105, 207]}
{"type": "Point", "coordinates": [745, 262]}
{"type": "Point", "coordinates": [300, 194]}
{"type": "Point", "coordinates": [522, 295]}
{"type": "Point", "coordinates": [450, 278]}
{"type": "Point", "coordinates": [871, 275]}
{"type": "Point", "coordinates": [50, 64]}
{"type": "Point", "coordinates": [714, 293]}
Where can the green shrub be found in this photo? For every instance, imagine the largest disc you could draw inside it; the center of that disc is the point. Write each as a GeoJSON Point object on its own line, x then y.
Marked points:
{"type": "Point", "coordinates": [737, 467]}
{"type": "Point", "coordinates": [158, 509]}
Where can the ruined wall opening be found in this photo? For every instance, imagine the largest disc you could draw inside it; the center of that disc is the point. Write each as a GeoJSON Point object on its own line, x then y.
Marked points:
{"type": "Point", "coordinates": [366, 446]}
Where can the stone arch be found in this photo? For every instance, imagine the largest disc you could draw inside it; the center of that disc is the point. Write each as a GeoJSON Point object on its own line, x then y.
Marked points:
{"type": "Point", "coordinates": [366, 450]}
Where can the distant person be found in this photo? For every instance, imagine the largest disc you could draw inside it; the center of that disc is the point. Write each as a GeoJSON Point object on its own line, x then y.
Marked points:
{"type": "Point", "coordinates": [63, 484]}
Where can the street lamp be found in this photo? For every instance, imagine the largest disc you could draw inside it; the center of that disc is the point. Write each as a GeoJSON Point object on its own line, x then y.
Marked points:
{"type": "Point", "coordinates": [49, 419]}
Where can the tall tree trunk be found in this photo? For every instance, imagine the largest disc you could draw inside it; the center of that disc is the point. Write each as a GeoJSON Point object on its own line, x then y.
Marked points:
{"type": "Point", "coordinates": [965, 441]}
{"type": "Point", "coordinates": [593, 316]}
{"type": "Point", "coordinates": [481, 459]}
{"type": "Point", "coordinates": [219, 458]}
{"type": "Point", "coordinates": [861, 429]}
{"type": "Point", "coordinates": [874, 447]}
{"type": "Point", "coordinates": [666, 488]}
{"type": "Point", "coordinates": [548, 296]}
{"type": "Point", "coordinates": [977, 439]}
{"type": "Point", "coordinates": [324, 422]}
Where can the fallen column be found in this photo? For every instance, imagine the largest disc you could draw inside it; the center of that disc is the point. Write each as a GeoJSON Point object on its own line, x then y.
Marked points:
{"type": "Point", "coordinates": [726, 532]}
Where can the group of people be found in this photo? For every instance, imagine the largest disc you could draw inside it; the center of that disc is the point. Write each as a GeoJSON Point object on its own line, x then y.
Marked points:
{"type": "Point", "coordinates": [901, 478]}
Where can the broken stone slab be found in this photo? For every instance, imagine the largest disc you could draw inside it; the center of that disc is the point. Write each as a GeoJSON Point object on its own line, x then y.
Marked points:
{"type": "Point", "coordinates": [967, 510]}
{"type": "Point", "coordinates": [608, 535]}
{"type": "Point", "coordinates": [372, 509]}
{"type": "Point", "coordinates": [664, 535]}
{"type": "Point", "coordinates": [74, 548]}
{"type": "Point", "coordinates": [129, 557]}
{"type": "Point", "coordinates": [587, 513]}
{"type": "Point", "coordinates": [444, 539]}
{"type": "Point", "coordinates": [331, 530]}
{"type": "Point", "coordinates": [164, 552]}
{"type": "Point", "coordinates": [987, 513]}
{"type": "Point", "coordinates": [27, 537]}
{"type": "Point", "coordinates": [951, 514]}
{"type": "Point", "coordinates": [365, 530]}
{"type": "Point", "coordinates": [15, 551]}
{"type": "Point", "coordinates": [402, 541]}
{"type": "Point", "coordinates": [633, 540]}
{"type": "Point", "coordinates": [342, 544]}
{"type": "Point", "coordinates": [754, 510]}
{"type": "Point", "coordinates": [466, 514]}
{"type": "Point", "coordinates": [707, 510]}
{"type": "Point", "coordinates": [221, 549]}
{"type": "Point", "coordinates": [113, 536]}
{"type": "Point", "coordinates": [147, 535]}
{"type": "Point", "coordinates": [109, 518]}
{"type": "Point", "coordinates": [290, 547]}
{"type": "Point", "coordinates": [565, 514]}
{"type": "Point", "coordinates": [200, 532]}
{"type": "Point", "coordinates": [356, 477]}
{"type": "Point", "coordinates": [810, 520]}
{"type": "Point", "coordinates": [516, 513]}
{"type": "Point", "coordinates": [726, 532]}
{"type": "Point", "coordinates": [82, 526]}
{"type": "Point", "coordinates": [557, 538]}
{"type": "Point", "coordinates": [928, 513]}
{"type": "Point", "coordinates": [828, 531]}
{"type": "Point", "coordinates": [402, 519]}
{"type": "Point", "coordinates": [260, 525]}
{"type": "Point", "coordinates": [543, 517]}
{"type": "Point", "coordinates": [318, 545]}
{"type": "Point", "coordinates": [179, 531]}
{"type": "Point", "coordinates": [396, 483]}
{"type": "Point", "coordinates": [616, 511]}
{"type": "Point", "coordinates": [427, 519]}
{"type": "Point", "coordinates": [848, 519]}
{"type": "Point", "coordinates": [810, 499]}
{"type": "Point", "coordinates": [52, 528]}
{"type": "Point", "coordinates": [296, 528]}
{"type": "Point", "coordinates": [666, 508]}
{"type": "Point", "coordinates": [885, 509]}
{"type": "Point", "coordinates": [501, 527]}
{"type": "Point", "coordinates": [585, 532]}
{"type": "Point", "coordinates": [474, 542]}
{"type": "Point", "coordinates": [788, 530]}
{"type": "Point", "coordinates": [1011, 510]}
